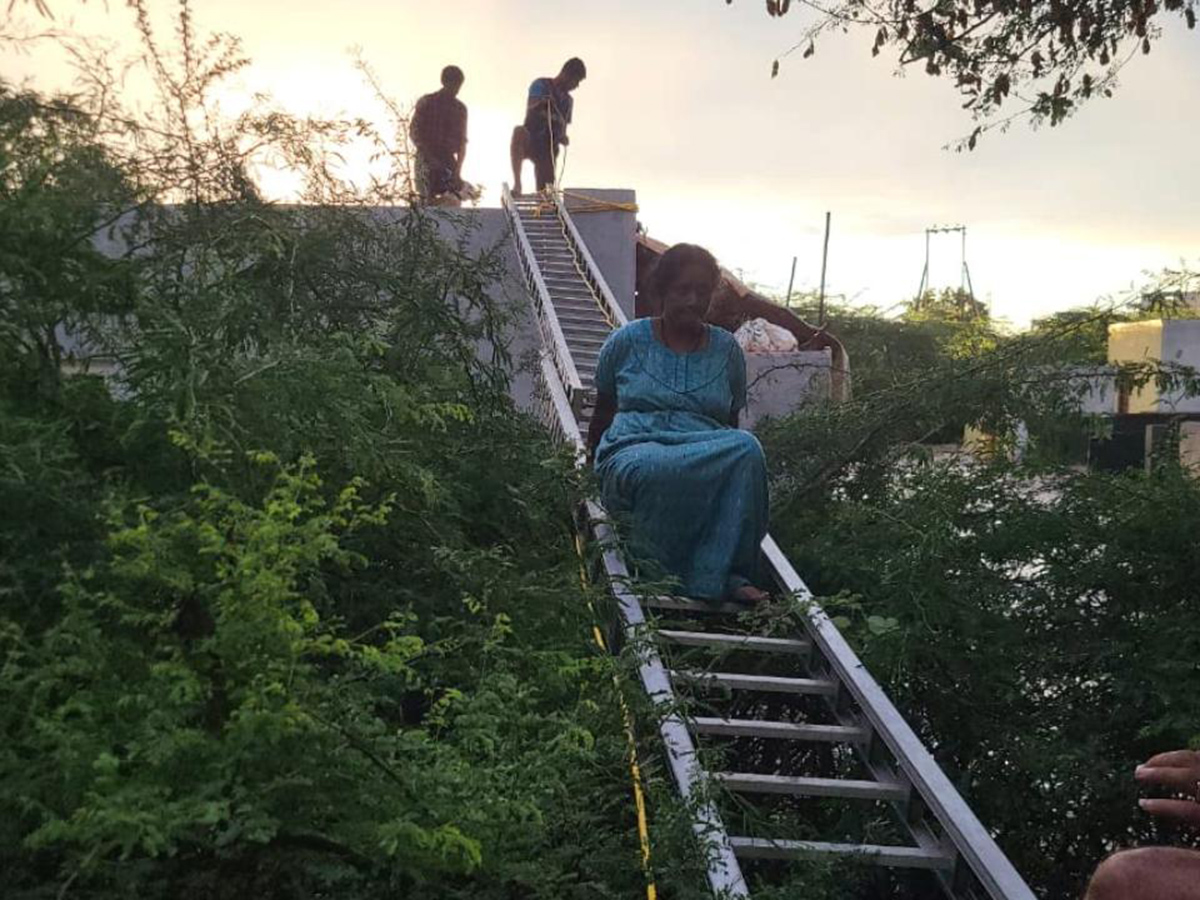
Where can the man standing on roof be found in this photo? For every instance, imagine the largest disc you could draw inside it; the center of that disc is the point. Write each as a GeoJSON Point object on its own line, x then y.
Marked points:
{"type": "Point", "coordinates": [547, 114]}
{"type": "Point", "coordinates": [439, 132]}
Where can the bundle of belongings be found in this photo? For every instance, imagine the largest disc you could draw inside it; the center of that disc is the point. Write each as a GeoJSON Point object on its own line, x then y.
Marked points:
{"type": "Point", "coordinates": [760, 336]}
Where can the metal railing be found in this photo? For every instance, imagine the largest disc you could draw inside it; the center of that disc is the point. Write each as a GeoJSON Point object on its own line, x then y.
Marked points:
{"type": "Point", "coordinates": [976, 855]}
{"type": "Point", "coordinates": [588, 267]}
{"type": "Point", "coordinates": [553, 339]}
{"type": "Point", "coordinates": [889, 748]}
{"type": "Point", "coordinates": [723, 870]}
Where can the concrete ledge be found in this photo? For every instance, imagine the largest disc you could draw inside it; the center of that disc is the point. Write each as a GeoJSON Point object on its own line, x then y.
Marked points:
{"type": "Point", "coordinates": [780, 383]}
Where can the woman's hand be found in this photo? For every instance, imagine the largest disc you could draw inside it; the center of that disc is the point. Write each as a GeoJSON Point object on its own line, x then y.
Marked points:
{"type": "Point", "coordinates": [820, 339]}
{"type": "Point", "coordinates": [603, 414]}
{"type": "Point", "coordinates": [1178, 770]}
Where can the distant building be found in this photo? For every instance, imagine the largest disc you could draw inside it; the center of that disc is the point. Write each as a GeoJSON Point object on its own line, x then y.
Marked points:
{"type": "Point", "coordinates": [1152, 420]}
{"type": "Point", "coordinates": [1172, 341]}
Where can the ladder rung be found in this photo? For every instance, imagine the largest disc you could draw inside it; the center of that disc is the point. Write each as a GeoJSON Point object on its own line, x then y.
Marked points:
{"type": "Point", "coordinates": [878, 854]}
{"type": "Point", "coordinates": [698, 606]}
{"type": "Point", "coordinates": [788, 731]}
{"type": "Point", "coordinates": [735, 641]}
{"type": "Point", "coordinates": [590, 339]}
{"type": "Point", "coordinates": [851, 789]}
{"type": "Point", "coordinates": [739, 682]}
{"type": "Point", "coordinates": [578, 307]}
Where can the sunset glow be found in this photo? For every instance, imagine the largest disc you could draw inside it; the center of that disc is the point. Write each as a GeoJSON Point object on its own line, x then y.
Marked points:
{"type": "Point", "coordinates": [679, 106]}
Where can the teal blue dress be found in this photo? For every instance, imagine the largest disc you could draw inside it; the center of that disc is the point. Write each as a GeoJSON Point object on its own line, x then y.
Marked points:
{"type": "Point", "coordinates": [688, 490]}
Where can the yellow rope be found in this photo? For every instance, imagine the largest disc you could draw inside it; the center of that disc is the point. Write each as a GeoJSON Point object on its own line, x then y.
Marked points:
{"type": "Point", "coordinates": [596, 204]}
{"type": "Point", "coordinates": [600, 304]}
{"type": "Point", "coordinates": [639, 797]}
{"type": "Point", "coordinates": [549, 206]}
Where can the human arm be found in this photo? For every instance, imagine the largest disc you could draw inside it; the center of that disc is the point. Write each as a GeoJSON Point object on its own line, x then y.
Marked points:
{"type": "Point", "coordinates": [461, 154]}
{"type": "Point", "coordinates": [545, 110]}
{"type": "Point", "coordinates": [418, 124]}
{"type": "Point", "coordinates": [1179, 771]}
{"type": "Point", "coordinates": [809, 337]}
{"type": "Point", "coordinates": [734, 304]}
{"type": "Point", "coordinates": [605, 382]}
{"type": "Point", "coordinates": [564, 117]}
{"type": "Point", "coordinates": [602, 416]}
{"type": "Point", "coordinates": [539, 98]}
{"type": "Point", "coordinates": [737, 383]}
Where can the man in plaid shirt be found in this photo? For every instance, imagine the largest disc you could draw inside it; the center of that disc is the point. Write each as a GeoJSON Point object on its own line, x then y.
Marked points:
{"type": "Point", "coordinates": [439, 132]}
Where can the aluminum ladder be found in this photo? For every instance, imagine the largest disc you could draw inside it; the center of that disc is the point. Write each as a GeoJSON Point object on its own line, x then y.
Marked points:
{"type": "Point", "coordinates": [811, 671]}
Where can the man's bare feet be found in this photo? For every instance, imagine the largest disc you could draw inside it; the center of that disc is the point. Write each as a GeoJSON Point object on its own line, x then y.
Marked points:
{"type": "Point", "coordinates": [748, 593]}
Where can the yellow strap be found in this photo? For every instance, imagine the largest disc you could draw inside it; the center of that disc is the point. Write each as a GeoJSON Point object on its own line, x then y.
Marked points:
{"type": "Point", "coordinates": [596, 204]}
{"type": "Point", "coordinates": [635, 772]}
{"type": "Point", "coordinates": [600, 305]}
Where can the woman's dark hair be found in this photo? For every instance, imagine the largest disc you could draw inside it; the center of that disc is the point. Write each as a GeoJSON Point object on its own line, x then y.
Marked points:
{"type": "Point", "coordinates": [671, 265]}
{"type": "Point", "coordinates": [452, 76]}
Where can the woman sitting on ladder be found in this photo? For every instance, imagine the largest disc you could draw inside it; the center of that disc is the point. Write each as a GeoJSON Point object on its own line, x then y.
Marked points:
{"type": "Point", "coordinates": [689, 487]}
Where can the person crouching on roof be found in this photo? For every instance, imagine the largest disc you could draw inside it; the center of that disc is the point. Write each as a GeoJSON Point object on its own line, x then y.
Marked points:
{"type": "Point", "coordinates": [439, 132]}
{"type": "Point", "coordinates": [547, 115]}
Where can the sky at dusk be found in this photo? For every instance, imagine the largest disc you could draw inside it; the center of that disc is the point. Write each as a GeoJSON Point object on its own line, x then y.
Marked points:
{"type": "Point", "coordinates": [679, 106]}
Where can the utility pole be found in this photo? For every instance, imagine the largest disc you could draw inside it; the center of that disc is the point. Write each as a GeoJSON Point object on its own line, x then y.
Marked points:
{"type": "Point", "coordinates": [791, 280]}
{"type": "Point", "coordinates": [824, 259]}
{"type": "Point", "coordinates": [964, 283]}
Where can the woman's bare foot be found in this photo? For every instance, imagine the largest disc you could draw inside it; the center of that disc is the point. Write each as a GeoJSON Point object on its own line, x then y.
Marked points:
{"type": "Point", "coordinates": [748, 593]}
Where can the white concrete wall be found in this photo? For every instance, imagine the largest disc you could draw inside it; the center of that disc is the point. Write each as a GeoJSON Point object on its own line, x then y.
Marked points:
{"type": "Point", "coordinates": [1181, 346]}
{"type": "Point", "coordinates": [780, 383]}
{"type": "Point", "coordinates": [1097, 387]}
{"type": "Point", "coordinates": [1189, 447]}
{"type": "Point", "coordinates": [1137, 342]}
{"type": "Point", "coordinates": [1174, 341]}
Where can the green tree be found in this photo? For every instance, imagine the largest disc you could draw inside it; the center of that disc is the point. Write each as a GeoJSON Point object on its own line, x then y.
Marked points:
{"type": "Point", "coordinates": [289, 602]}
{"type": "Point", "coordinates": [1046, 57]}
{"type": "Point", "coordinates": [1025, 616]}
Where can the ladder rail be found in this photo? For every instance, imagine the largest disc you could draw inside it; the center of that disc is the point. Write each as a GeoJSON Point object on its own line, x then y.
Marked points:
{"type": "Point", "coordinates": [724, 872]}
{"type": "Point", "coordinates": [965, 852]}
{"type": "Point", "coordinates": [551, 329]}
{"type": "Point", "coordinates": [978, 850]}
{"type": "Point", "coordinates": [591, 271]}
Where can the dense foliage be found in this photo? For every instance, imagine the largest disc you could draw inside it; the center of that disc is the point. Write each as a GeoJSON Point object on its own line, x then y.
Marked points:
{"type": "Point", "coordinates": [289, 603]}
{"type": "Point", "coordinates": [1046, 57]}
{"type": "Point", "coordinates": [1034, 621]}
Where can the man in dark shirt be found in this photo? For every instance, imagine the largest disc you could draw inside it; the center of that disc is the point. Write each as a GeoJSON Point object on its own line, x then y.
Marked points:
{"type": "Point", "coordinates": [547, 114]}
{"type": "Point", "coordinates": [439, 132]}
